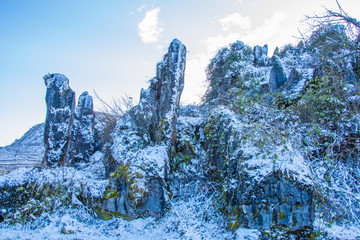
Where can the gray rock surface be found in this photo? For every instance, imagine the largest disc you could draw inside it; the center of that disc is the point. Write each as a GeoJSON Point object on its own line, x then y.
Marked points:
{"type": "Point", "coordinates": [142, 142]}
{"type": "Point", "coordinates": [278, 74]}
{"type": "Point", "coordinates": [60, 102]}
{"type": "Point", "coordinates": [260, 55]}
{"type": "Point", "coordinates": [82, 144]}
{"type": "Point", "coordinates": [294, 78]}
{"type": "Point", "coordinates": [158, 109]}
{"type": "Point", "coordinates": [350, 75]}
{"type": "Point", "coordinates": [275, 202]}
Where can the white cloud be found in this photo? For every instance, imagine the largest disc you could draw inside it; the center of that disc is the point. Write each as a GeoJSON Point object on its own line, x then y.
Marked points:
{"type": "Point", "coordinates": [271, 32]}
{"type": "Point", "coordinates": [141, 8]}
{"type": "Point", "coordinates": [235, 20]}
{"type": "Point", "coordinates": [149, 29]}
{"type": "Point", "coordinates": [213, 44]}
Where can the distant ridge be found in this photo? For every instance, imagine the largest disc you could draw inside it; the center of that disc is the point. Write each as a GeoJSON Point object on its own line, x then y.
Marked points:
{"type": "Point", "coordinates": [27, 151]}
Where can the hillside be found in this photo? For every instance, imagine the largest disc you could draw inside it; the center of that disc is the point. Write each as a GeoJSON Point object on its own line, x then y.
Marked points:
{"type": "Point", "coordinates": [27, 151]}
{"type": "Point", "coordinates": [271, 153]}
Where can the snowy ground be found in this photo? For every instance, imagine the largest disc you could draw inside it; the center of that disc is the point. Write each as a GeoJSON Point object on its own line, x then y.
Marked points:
{"type": "Point", "coordinates": [192, 216]}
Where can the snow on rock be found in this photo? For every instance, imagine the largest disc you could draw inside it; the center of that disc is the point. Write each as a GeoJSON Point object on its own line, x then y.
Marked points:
{"type": "Point", "coordinates": [60, 102]}
{"type": "Point", "coordinates": [140, 182]}
{"type": "Point", "coordinates": [82, 143]}
{"type": "Point", "coordinates": [269, 181]}
{"type": "Point", "coordinates": [158, 109]}
{"type": "Point", "coordinates": [270, 192]}
{"type": "Point", "coordinates": [189, 218]}
{"type": "Point", "coordinates": [260, 55]}
{"type": "Point", "coordinates": [27, 194]}
{"type": "Point", "coordinates": [142, 140]}
{"type": "Point", "coordinates": [277, 74]}
{"type": "Point", "coordinates": [247, 234]}
{"type": "Point", "coordinates": [238, 162]}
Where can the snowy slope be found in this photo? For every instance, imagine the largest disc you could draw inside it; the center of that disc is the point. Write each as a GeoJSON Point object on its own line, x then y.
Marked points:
{"type": "Point", "coordinates": [27, 151]}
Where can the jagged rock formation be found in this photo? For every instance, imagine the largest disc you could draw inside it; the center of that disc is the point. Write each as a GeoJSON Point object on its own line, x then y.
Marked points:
{"type": "Point", "coordinates": [82, 135]}
{"type": "Point", "coordinates": [270, 151]}
{"type": "Point", "coordinates": [260, 55]}
{"type": "Point", "coordinates": [277, 75]}
{"type": "Point", "coordinates": [268, 184]}
{"type": "Point", "coordinates": [262, 193]}
{"type": "Point", "coordinates": [69, 132]}
{"type": "Point", "coordinates": [161, 100]}
{"type": "Point", "coordinates": [222, 75]}
{"type": "Point", "coordinates": [60, 101]}
{"type": "Point", "coordinates": [294, 78]}
{"type": "Point", "coordinates": [275, 201]}
{"type": "Point", "coordinates": [142, 142]}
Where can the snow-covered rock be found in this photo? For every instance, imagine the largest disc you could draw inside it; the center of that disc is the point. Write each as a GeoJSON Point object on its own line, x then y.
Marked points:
{"type": "Point", "coordinates": [142, 141]}
{"type": "Point", "coordinates": [60, 102]}
{"type": "Point", "coordinates": [82, 143]}
{"type": "Point", "coordinates": [278, 74]}
{"type": "Point", "coordinates": [158, 109]}
{"type": "Point", "coordinates": [260, 55]}
{"type": "Point", "coordinates": [250, 159]}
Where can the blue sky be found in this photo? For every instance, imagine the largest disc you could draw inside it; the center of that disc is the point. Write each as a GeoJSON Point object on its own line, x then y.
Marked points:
{"type": "Point", "coordinates": [113, 46]}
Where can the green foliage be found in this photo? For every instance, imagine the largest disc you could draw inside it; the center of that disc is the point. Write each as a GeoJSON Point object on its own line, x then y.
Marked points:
{"type": "Point", "coordinates": [37, 200]}
{"type": "Point", "coordinates": [111, 193]}
{"type": "Point", "coordinates": [223, 70]}
{"type": "Point", "coordinates": [325, 103]}
{"type": "Point", "coordinates": [180, 159]}
{"type": "Point", "coordinates": [327, 41]}
{"type": "Point", "coordinates": [284, 49]}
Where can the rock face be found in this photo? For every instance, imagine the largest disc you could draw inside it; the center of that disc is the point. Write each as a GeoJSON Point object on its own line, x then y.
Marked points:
{"type": "Point", "coordinates": [277, 75]}
{"type": "Point", "coordinates": [142, 143]}
{"type": "Point", "coordinates": [260, 55]}
{"type": "Point", "coordinates": [224, 74]}
{"type": "Point", "coordinates": [294, 78]}
{"type": "Point", "coordinates": [275, 202]}
{"type": "Point", "coordinates": [82, 135]}
{"type": "Point", "coordinates": [60, 101]}
{"type": "Point", "coordinates": [350, 75]}
{"type": "Point", "coordinates": [160, 102]}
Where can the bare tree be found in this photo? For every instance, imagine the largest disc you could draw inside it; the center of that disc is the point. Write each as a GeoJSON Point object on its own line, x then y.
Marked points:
{"type": "Point", "coordinates": [337, 18]}
{"type": "Point", "coordinates": [118, 107]}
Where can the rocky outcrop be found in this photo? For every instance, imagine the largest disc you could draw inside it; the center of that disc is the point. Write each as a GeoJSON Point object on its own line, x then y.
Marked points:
{"type": "Point", "coordinates": [60, 101]}
{"type": "Point", "coordinates": [225, 74]}
{"type": "Point", "coordinates": [142, 143]}
{"type": "Point", "coordinates": [277, 75]}
{"type": "Point", "coordinates": [350, 75]}
{"type": "Point", "coordinates": [158, 109]}
{"type": "Point", "coordinates": [276, 201]}
{"type": "Point", "coordinates": [294, 78]}
{"type": "Point", "coordinates": [262, 190]}
{"type": "Point", "coordinates": [260, 55]}
{"type": "Point", "coordinates": [82, 144]}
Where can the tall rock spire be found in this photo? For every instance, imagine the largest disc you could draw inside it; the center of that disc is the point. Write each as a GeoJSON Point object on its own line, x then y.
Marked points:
{"type": "Point", "coordinates": [152, 125]}
{"type": "Point", "coordinates": [82, 135]}
{"type": "Point", "coordinates": [162, 98]}
{"type": "Point", "coordinates": [60, 102]}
